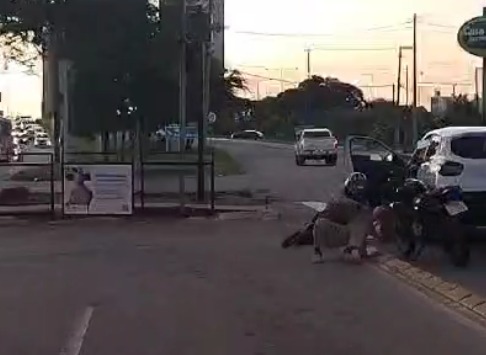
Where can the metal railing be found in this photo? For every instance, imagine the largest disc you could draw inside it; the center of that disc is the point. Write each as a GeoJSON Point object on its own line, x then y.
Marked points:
{"type": "Point", "coordinates": [182, 164]}
{"type": "Point", "coordinates": [22, 163]}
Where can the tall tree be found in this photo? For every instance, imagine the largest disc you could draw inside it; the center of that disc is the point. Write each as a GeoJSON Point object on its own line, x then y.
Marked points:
{"type": "Point", "coordinates": [125, 57]}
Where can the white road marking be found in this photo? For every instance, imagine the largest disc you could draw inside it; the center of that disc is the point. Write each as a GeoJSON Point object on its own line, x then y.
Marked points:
{"type": "Point", "coordinates": [75, 341]}
{"type": "Point", "coordinates": [315, 205]}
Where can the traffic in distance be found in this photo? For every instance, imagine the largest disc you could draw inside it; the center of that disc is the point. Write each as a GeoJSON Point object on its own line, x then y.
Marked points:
{"type": "Point", "coordinates": [21, 134]}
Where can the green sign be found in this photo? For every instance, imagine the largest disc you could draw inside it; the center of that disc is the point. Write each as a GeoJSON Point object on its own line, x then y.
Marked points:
{"type": "Point", "coordinates": [472, 36]}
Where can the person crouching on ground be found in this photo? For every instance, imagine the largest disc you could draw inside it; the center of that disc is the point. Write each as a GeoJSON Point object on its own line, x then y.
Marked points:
{"type": "Point", "coordinates": [345, 223]}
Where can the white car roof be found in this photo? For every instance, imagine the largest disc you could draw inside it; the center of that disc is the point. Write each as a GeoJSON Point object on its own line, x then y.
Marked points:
{"type": "Point", "coordinates": [457, 131]}
{"type": "Point", "coordinates": [316, 130]}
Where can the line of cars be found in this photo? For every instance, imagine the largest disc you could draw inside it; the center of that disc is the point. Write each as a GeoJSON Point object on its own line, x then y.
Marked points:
{"type": "Point", "coordinates": [28, 133]}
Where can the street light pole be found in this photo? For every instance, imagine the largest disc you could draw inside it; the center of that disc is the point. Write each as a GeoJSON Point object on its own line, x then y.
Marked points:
{"type": "Point", "coordinates": [414, 113]}
{"type": "Point", "coordinates": [483, 99]}
{"type": "Point", "coordinates": [399, 75]}
{"type": "Point", "coordinates": [308, 51]}
{"type": "Point", "coordinates": [182, 95]}
{"type": "Point", "coordinates": [476, 87]}
{"type": "Point", "coordinates": [407, 86]}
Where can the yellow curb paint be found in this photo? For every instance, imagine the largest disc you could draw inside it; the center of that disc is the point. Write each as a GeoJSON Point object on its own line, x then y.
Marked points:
{"type": "Point", "coordinates": [458, 294]}
{"type": "Point", "coordinates": [432, 282]}
{"type": "Point", "coordinates": [445, 287]}
{"type": "Point", "coordinates": [481, 310]}
{"type": "Point", "coordinates": [398, 264]}
{"type": "Point", "coordinates": [472, 301]}
{"type": "Point", "coordinates": [450, 294]}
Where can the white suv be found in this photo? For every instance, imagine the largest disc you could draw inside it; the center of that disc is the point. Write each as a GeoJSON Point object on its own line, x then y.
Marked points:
{"type": "Point", "coordinates": [451, 156]}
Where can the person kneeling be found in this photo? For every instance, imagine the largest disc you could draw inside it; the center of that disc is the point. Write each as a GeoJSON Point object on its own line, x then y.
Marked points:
{"type": "Point", "coordinates": [345, 223]}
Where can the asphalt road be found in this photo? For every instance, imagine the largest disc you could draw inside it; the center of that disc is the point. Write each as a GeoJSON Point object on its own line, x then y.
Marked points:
{"type": "Point", "coordinates": [212, 287]}
{"type": "Point", "coordinates": [203, 287]}
{"type": "Point", "coordinates": [275, 170]}
{"type": "Point", "coordinates": [271, 166]}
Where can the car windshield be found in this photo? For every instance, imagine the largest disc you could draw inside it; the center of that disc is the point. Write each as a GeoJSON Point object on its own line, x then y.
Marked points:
{"type": "Point", "coordinates": [471, 146]}
{"type": "Point", "coordinates": [317, 134]}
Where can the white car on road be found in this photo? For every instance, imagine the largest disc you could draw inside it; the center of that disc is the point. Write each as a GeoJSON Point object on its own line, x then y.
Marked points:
{"type": "Point", "coordinates": [316, 144]}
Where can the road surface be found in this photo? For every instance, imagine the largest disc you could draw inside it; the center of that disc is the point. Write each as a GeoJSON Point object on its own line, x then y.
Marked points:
{"type": "Point", "coordinates": [276, 171]}
{"type": "Point", "coordinates": [204, 287]}
{"type": "Point", "coordinates": [271, 166]}
{"type": "Point", "coordinates": [211, 287]}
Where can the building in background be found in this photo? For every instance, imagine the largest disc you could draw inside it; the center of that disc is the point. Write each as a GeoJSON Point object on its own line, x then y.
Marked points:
{"type": "Point", "coordinates": [439, 105]}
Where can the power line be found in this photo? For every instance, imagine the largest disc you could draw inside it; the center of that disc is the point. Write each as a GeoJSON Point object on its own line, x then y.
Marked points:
{"type": "Point", "coordinates": [353, 49]}
{"type": "Point", "coordinates": [268, 78]}
{"type": "Point", "coordinates": [375, 86]}
{"type": "Point", "coordinates": [439, 25]}
{"type": "Point", "coordinates": [391, 28]}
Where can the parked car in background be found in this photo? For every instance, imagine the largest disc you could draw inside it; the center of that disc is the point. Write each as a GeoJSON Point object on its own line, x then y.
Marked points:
{"type": "Point", "coordinates": [248, 134]}
{"type": "Point", "coordinates": [316, 144]}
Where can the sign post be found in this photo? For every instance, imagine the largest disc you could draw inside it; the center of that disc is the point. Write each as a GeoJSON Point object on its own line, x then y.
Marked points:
{"type": "Point", "coordinates": [472, 38]}
{"type": "Point", "coordinates": [483, 98]}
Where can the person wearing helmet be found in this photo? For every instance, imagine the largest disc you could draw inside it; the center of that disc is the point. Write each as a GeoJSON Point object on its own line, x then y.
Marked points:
{"type": "Point", "coordinates": [345, 222]}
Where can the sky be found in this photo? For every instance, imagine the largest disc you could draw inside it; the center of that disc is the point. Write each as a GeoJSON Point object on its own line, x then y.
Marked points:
{"type": "Point", "coordinates": [343, 25]}
{"type": "Point", "coordinates": [351, 24]}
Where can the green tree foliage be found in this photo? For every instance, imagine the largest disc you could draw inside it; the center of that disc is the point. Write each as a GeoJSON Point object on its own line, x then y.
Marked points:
{"type": "Point", "coordinates": [125, 58]}
{"type": "Point", "coordinates": [461, 112]}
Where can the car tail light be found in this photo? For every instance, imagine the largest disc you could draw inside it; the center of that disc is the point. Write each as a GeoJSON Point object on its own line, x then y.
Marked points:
{"type": "Point", "coordinates": [335, 143]}
{"type": "Point", "coordinates": [450, 168]}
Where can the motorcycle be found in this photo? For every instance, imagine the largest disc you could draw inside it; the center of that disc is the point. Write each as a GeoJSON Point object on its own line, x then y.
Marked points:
{"type": "Point", "coordinates": [425, 217]}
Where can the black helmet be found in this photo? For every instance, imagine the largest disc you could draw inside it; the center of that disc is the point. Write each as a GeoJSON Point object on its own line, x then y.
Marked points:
{"type": "Point", "coordinates": [355, 186]}
{"type": "Point", "coordinates": [410, 189]}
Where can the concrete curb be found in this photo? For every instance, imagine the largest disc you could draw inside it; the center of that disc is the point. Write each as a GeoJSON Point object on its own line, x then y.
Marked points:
{"type": "Point", "coordinates": [262, 215]}
{"type": "Point", "coordinates": [11, 221]}
{"type": "Point", "coordinates": [451, 294]}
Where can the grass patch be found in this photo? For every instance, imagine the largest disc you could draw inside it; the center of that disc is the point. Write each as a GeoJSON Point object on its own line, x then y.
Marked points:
{"type": "Point", "coordinates": [224, 165]}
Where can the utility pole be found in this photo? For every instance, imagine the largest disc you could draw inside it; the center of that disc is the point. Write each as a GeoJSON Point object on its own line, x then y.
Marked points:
{"type": "Point", "coordinates": [414, 104]}
{"type": "Point", "coordinates": [53, 89]}
{"type": "Point", "coordinates": [308, 51]}
{"type": "Point", "coordinates": [407, 86]}
{"type": "Point", "coordinates": [399, 87]}
{"type": "Point", "coordinates": [476, 87]}
{"type": "Point", "coordinates": [201, 123]}
{"type": "Point", "coordinates": [399, 75]}
{"type": "Point", "coordinates": [182, 95]}
{"type": "Point", "coordinates": [282, 88]}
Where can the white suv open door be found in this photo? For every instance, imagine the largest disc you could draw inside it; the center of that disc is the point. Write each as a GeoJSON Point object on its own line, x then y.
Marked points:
{"type": "Point", "coordinates": [374, 159]}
